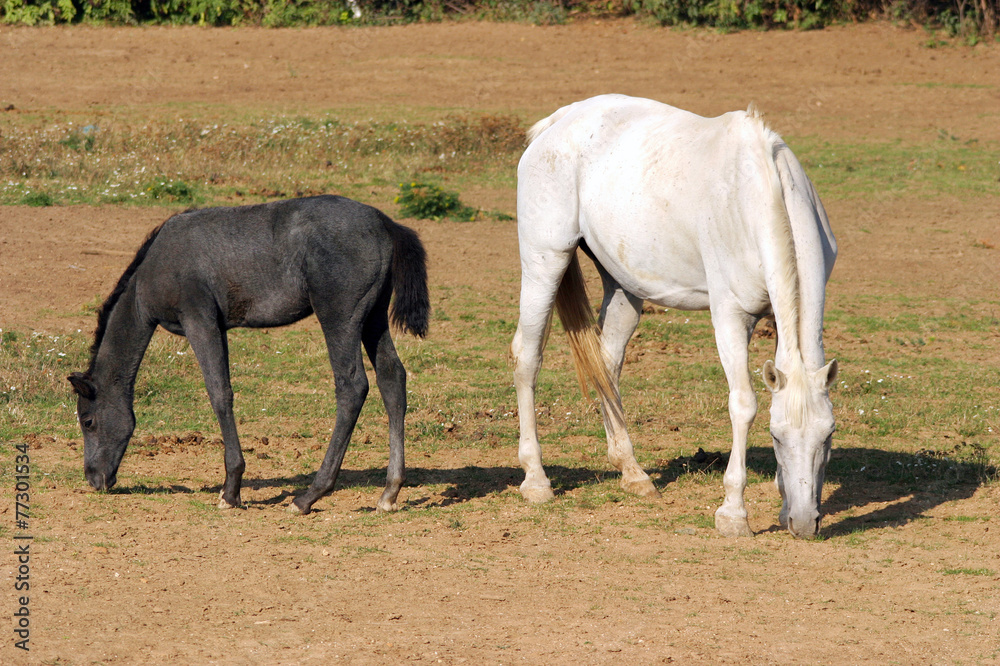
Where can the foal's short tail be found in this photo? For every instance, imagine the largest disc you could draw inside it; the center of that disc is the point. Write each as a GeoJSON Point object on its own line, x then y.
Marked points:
{"type": "Point", "coordinates": [412, 308]}
{"type": "Point", "coordinates": [584, 339]}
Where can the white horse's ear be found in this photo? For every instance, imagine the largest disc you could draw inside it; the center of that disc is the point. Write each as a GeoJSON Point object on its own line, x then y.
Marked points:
{"type": "Point", "coordinates": [774, 379]}
{"type": "Point", "coordinates": [830, 371]}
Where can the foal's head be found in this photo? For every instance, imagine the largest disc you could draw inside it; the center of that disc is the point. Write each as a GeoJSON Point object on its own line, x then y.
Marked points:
{"type": "Point", "coordinates": [107, 421]}
{"type": "Point", "coordinates": [802, 427]}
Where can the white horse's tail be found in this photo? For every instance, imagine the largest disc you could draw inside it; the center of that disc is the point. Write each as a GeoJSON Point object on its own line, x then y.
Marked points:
{"type": "Point", "coordinates": [577, 318]}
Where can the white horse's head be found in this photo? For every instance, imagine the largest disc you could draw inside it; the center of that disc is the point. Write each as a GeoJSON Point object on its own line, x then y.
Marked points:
{"type": "Point", "coordinates": [802, 428]}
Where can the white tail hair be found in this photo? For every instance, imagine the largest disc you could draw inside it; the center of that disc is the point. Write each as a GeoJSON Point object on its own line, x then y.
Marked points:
{"type": "Point", "coordinates": [592, 364]}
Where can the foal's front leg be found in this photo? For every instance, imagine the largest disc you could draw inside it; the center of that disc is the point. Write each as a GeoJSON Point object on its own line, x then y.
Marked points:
{"type": "Point", "coordinates": [351, 388]}
{"type": "Point", "coordinates": [212, 351]}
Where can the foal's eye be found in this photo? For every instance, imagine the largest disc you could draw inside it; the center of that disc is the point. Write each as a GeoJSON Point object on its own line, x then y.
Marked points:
{"type": "Point", "coordinates": [87, 422]}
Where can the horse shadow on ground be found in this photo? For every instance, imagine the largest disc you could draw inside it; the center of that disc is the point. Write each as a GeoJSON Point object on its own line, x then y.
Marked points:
{"type": "Point", "coordinates": [908, 484]}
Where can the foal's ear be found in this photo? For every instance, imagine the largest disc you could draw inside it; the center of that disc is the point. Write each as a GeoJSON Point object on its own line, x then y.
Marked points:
{"type": "Point", "coordinates": [774, 379]}
{"type": "Point", "coordinates": [83, 385]}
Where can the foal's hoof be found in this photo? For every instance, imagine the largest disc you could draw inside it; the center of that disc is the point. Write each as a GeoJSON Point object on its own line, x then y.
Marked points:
{"type": "Point", "coordinates": [385, 506]}
{"type": "Point", "coordinates": [729, 526]}
{"type": "Point", "coordinates": [642, 488]}
{"type": "Point", "coordinates": [223, 504]}
{"type": "Point", "coordinates": [537, 494]}
{"type": "Point", "coordinates": [297, 510]}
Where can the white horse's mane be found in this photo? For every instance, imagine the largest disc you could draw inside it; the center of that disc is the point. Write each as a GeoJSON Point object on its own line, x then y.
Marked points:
{"type": "Point", "coordinates": [786, 265]}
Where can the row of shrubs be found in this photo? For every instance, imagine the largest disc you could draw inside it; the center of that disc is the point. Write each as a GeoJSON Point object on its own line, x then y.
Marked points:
{"type": "Point", "coordinates": [958, 17]}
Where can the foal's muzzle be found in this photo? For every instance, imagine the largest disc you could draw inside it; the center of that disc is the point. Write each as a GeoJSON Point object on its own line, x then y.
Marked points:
{"type": "Point", "coordinates": [99, 480]}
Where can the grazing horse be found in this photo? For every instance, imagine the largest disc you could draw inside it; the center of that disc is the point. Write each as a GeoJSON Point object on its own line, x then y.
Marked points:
{"type": "Point", "coordinates": [203, 272]}
{"type": "Point", "coordinates": [690, 213]}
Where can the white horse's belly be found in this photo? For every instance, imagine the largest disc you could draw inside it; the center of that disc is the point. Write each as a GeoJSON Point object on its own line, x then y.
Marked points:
{"type": "Point", "coordinates": [664, 270]}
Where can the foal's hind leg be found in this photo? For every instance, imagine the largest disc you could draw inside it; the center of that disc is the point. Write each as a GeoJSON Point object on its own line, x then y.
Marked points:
{"type": "Point", "coordinates": [391, 379]}
{"type": "Point", "coordinates": [540, 276]}
{"type": "Point", "coordinates": [620, 313]}
{"type": "Point", "coordinates": [343, 342]}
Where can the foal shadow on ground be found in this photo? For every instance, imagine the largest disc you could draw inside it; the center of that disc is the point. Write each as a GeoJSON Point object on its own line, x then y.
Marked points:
{"type": "Point", "coordinates": [463, 484]}
{"type": "Point", "coordinates": [143, 489]}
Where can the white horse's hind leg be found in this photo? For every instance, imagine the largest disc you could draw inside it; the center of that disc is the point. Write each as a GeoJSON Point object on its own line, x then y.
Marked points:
{"type": "Point", "coordinates": [539, 283]}
{"type": "Point", "coordinates": [620, 313]}
{"type": "Point", "coordinates": [732, 335]}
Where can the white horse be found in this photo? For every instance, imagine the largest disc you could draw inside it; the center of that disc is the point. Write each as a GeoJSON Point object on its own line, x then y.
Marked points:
{"type": "Point", "coordinates": [690, 213]}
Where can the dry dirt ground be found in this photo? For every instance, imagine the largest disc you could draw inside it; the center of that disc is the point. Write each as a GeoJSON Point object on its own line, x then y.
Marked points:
{"type": "Point", "coordinates": [157, 577]}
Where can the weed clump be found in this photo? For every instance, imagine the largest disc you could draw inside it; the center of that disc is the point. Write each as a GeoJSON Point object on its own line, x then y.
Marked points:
{"type": "Point", "coordinates": [171, 190]}
{"type": "Point", "coordinates": [39, 199]}
{"type": "Point", "coordinates": [426, 201]}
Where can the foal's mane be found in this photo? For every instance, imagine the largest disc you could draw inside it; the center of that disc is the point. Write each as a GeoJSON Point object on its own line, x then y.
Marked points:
{"type": "Point", "coordinates": [104, 312]}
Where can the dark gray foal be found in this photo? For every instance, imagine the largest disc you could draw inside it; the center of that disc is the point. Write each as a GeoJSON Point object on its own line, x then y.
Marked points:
{"type": "Point", "coordinates": [203, 272]}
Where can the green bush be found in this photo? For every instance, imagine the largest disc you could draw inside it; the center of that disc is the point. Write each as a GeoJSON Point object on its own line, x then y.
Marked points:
{"type": "Point", "coordinates": [429, 202]}
{"type": "Point", "coordinates": [106, 11]}
{"type": "Point", "coordinates": [37, 199]}
{"type": "Point", "coordinates": [959, 18]}
{"type": "Point", "coordinates": [37, 12]}
{"type": "Point", "coordinates": [171, 190]}
{"type": "Point", "coordinates": [731, 15]}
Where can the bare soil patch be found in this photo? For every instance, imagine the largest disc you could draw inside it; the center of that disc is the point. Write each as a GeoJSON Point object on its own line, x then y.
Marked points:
{"type": "Point", "coordinates": [157, 575]}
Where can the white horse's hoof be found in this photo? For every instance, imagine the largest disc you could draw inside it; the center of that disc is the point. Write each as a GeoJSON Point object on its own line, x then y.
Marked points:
{"type": "Point", "coordinates": [641, 487]}
{"type": "Point", "coordinates": [729, 526]}
{"type": "Point", "coordinates": [386, 507]}
{"type": "Point", "coordinates": [538, 494]}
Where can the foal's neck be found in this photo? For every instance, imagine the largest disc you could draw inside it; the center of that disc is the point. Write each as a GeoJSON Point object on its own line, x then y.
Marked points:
{"type": "Point", "coordinates": [125, 340]}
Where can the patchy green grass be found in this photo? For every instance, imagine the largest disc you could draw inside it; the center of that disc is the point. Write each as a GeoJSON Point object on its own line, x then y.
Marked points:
{"type": "Point", "coordinates": [202, 160]}
{"type": "Point", "coordinates": [191, 161]}
{"type": "Point", "coordinates": [908, 421]}
{"type": "Point", "coordinates": [948, 164]}
{"type": "Point", "coordinates": [917, 409]}
{"type": "Point", "coordinates": [969, 572]}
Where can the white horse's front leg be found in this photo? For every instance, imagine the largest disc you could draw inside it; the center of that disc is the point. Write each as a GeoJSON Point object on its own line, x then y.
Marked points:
{"type": "Point", "coordinates": [779, 481]}
{"type": "Point", "coordinates": [620, 313]}
{"type": "Point", "coordinates": [732, 335]}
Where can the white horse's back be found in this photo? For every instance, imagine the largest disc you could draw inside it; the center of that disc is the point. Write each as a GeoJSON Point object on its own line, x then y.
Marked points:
{"type": "Point", "coordinates": [670, 203]}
